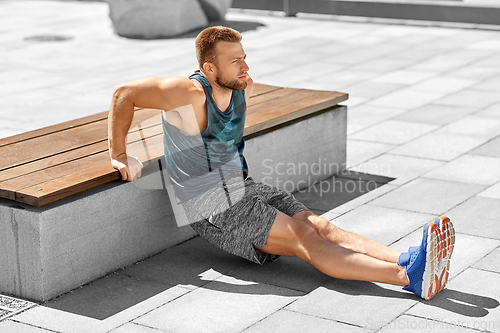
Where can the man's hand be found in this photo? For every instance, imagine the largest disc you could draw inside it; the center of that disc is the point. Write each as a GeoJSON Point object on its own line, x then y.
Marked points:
{"type": "Point", "coordinates": [129, 166]}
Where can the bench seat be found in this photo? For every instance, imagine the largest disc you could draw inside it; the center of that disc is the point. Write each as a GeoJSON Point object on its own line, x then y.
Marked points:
{"type": "Point", "coordinates": [66, 218]}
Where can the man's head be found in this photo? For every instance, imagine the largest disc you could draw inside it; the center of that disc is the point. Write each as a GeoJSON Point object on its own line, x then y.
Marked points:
{"type": "Point", "coordinates": [221, 56]}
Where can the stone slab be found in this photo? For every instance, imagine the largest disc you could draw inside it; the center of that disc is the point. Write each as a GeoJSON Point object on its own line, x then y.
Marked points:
{"type": "Point", "coordinates": [428, 196]}
{"type": "Point", "coordinates": [491, 192]}
{"type": "Point", "coordinates": [472, 169]}
{"type": "Point", "coordinates": [471, 300]}
{"type": "Point", "coordinates": [393, 132]}
{"type": "Point", "coordinates": [479, 216]}
{"type": "Point", "coordinates": [491, 148]}
{"type": "Point", "coordinates": [491, 262]}
{"type": "Point", "coordinates": [414, 324]}
{"type": "Point", "coordinates": [402, 168]}
{"type": "Point", "coordinates": [344, 301]}
{"type": "Point", "coordinates": [285, 321]}
{"type": "Point", "coordinates": [224, 305]}
{"type": "Point", "coordinates": [439, 145]}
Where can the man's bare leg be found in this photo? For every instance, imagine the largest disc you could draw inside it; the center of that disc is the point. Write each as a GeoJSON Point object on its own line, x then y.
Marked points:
{"type": "Point", "coordinates": [348, 240]}
{"type": "Point", "coordinates": [291, 237]}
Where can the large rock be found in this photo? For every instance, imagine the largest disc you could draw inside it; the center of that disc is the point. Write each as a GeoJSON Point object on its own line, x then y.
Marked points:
{"type": "Point", "coordinates": [149, 19]}
{"type": "Point", "coordinates": [215, 9]}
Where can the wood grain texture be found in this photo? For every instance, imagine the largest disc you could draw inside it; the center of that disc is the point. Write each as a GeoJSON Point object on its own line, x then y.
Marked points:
{"type": "Point", "coordinates": [52, 163]}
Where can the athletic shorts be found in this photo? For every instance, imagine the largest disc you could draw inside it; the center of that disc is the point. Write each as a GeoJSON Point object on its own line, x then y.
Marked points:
{"type": "Point", "coordinates": [237, 215]}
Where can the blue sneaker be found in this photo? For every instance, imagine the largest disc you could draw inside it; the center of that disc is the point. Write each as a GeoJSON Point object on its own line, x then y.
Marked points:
{"type": "Point", "coordinates": [422, 264]}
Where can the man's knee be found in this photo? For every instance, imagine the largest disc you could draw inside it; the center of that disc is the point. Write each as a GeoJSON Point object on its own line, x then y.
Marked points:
{"type": "Point", "coordinates": [322, 226]}
{"type": "Point", "coordinates": [306, 237]}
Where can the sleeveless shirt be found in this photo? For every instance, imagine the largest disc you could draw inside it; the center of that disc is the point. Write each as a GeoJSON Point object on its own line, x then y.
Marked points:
{"type": "Point", "coordinates": [196, 163]}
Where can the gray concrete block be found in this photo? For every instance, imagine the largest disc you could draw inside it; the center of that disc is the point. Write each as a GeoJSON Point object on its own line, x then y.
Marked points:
{"type": "Point", "coordinates": [296, 156]}
{"type": "Point", "coordinates": [155, 18]}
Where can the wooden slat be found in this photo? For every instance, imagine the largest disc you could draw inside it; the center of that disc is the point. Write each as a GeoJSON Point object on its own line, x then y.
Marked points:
{"type": "Point", "coordinates": [93, 175]}
{"type": "Point", "coordinates": [54, 143]}
{"type": "Point", "coordinates": [46, 165]}
{"type": "Point", "coordinates": [259, 89]}
{"type": "Point", "coordinates": [53, 129]}
{"type": "Point", "coordinates": [280, 110]}
{"type": "Point", "coordinates": [69, 167]}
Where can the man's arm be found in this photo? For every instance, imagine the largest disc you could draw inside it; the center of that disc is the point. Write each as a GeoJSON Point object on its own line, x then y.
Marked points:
{"type": "Point", "coordinates": [155, 93]}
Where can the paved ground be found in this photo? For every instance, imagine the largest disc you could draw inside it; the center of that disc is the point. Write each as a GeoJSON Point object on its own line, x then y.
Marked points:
{"type": "Point", "coordinates": [424, 108]}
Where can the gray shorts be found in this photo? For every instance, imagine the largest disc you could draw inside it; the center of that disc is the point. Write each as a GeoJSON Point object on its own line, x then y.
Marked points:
{"type": "Point", "coordinates": [238, 214]}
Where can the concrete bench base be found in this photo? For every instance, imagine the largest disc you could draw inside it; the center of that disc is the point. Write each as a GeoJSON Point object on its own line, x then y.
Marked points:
{"type": "Point", "coordinates": [49, 250]}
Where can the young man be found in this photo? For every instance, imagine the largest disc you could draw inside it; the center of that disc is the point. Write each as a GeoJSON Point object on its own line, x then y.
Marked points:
{"type": "Point", "coordinates": [203, 123]}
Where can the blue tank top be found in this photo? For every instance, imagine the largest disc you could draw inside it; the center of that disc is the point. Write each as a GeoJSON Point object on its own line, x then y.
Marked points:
{"type": "Point", "coordinates": [196, 163]}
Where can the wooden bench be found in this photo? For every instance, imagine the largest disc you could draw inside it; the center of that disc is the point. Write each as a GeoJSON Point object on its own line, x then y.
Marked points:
{"type": "Point", "coordinates": [66, 218]}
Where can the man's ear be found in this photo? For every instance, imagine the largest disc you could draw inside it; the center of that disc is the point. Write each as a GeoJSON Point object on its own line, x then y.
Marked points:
{"type": "Point", "coordinates": [208, 67]}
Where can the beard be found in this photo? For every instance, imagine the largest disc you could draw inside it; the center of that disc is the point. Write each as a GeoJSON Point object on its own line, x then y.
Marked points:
{"type": "Point", "coordinates": [232, 85]}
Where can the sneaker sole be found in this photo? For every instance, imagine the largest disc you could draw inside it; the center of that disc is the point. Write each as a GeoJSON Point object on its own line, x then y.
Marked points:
{"type": "Point", "coordinates": [440, 244]}
{"type": "Point", "coordinates": [445, 250]}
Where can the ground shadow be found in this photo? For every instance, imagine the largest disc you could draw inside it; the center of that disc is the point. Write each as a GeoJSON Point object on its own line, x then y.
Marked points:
{"type": "Point", "coordinates": [197, 264]}
{"type": "Point", "coordinates": [459, 302]}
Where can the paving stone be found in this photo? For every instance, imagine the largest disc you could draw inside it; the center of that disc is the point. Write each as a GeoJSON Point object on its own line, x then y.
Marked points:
{"type": "Point", "coordinates": [405, 77]}
{"type": "Point", "coordinates": [428, 196]}
{"type": "Point", "coordinates": [370, 89]}
{"type": "Point", "coordinates": [10, 326]}
{"type": "Point", "coordinates": [146, 306]}
{"type": "Point", "coordinates": [409, 98]}
{"type": "Point", "coordinates": [361, 200]}
{"type": "Point", "coordinates": [470, 300]}
{"type": "Point", "coordinates": [473, 169]}
{"type": "Point", "coordinates": [492, 84]}
{"type": "Point", "coordinates": [385, 225]}
{"type": "Point", "coordinates": [287, 321]}
{"type": "Point", "coordinates": [475, 72]}
{"type": "Point", "coordinates": [470, 97]}
{"type": "Point", "coordinates": [491, 111]}
{"type": "Point", "coordinates": [361, 151]}
{"type": "Point", "coordinates": [221, 306]}
{"type": "Point", "coordinates": [439, 146]}
{"type": "Point", "coordinates": [491, 148]}
{"type": "Point", "coordinates": [436, 114]}
{"type": "Point", "coordinates": [402, 168]}
{"type": "Point", "coordinates": [445, 84]}
{"type": "Point", "coordinates": [59, 321]}
{"type": "Point", "coordinates": [393, 132]}
{"type": "Point", "coordinates": [134, 328]}
{"type": "Point", "coordinates": [490, 44]}
{"type": "Point", "coordinates": [491, 262]}
{"type": "Point", "coordinates": [474, 126]}
{"type": "Point", "coordinates": [183, 264]}
{"type": "Point", "coordinates": [344, 301]}
{"type": "Point", "coordinates": [414, 324]}
{"type": "Point", "coordinates": [107, 296]}
{"type": "Point", "coordinates": [478, 216]}
{"type": "Point", "coordinates": [366, 115]}
{"type": "Point", "coordinates": [491, 192]}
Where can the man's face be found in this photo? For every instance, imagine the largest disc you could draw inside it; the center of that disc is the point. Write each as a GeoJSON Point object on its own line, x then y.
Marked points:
{"type": "Point", "coordinates": [231, 67]}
